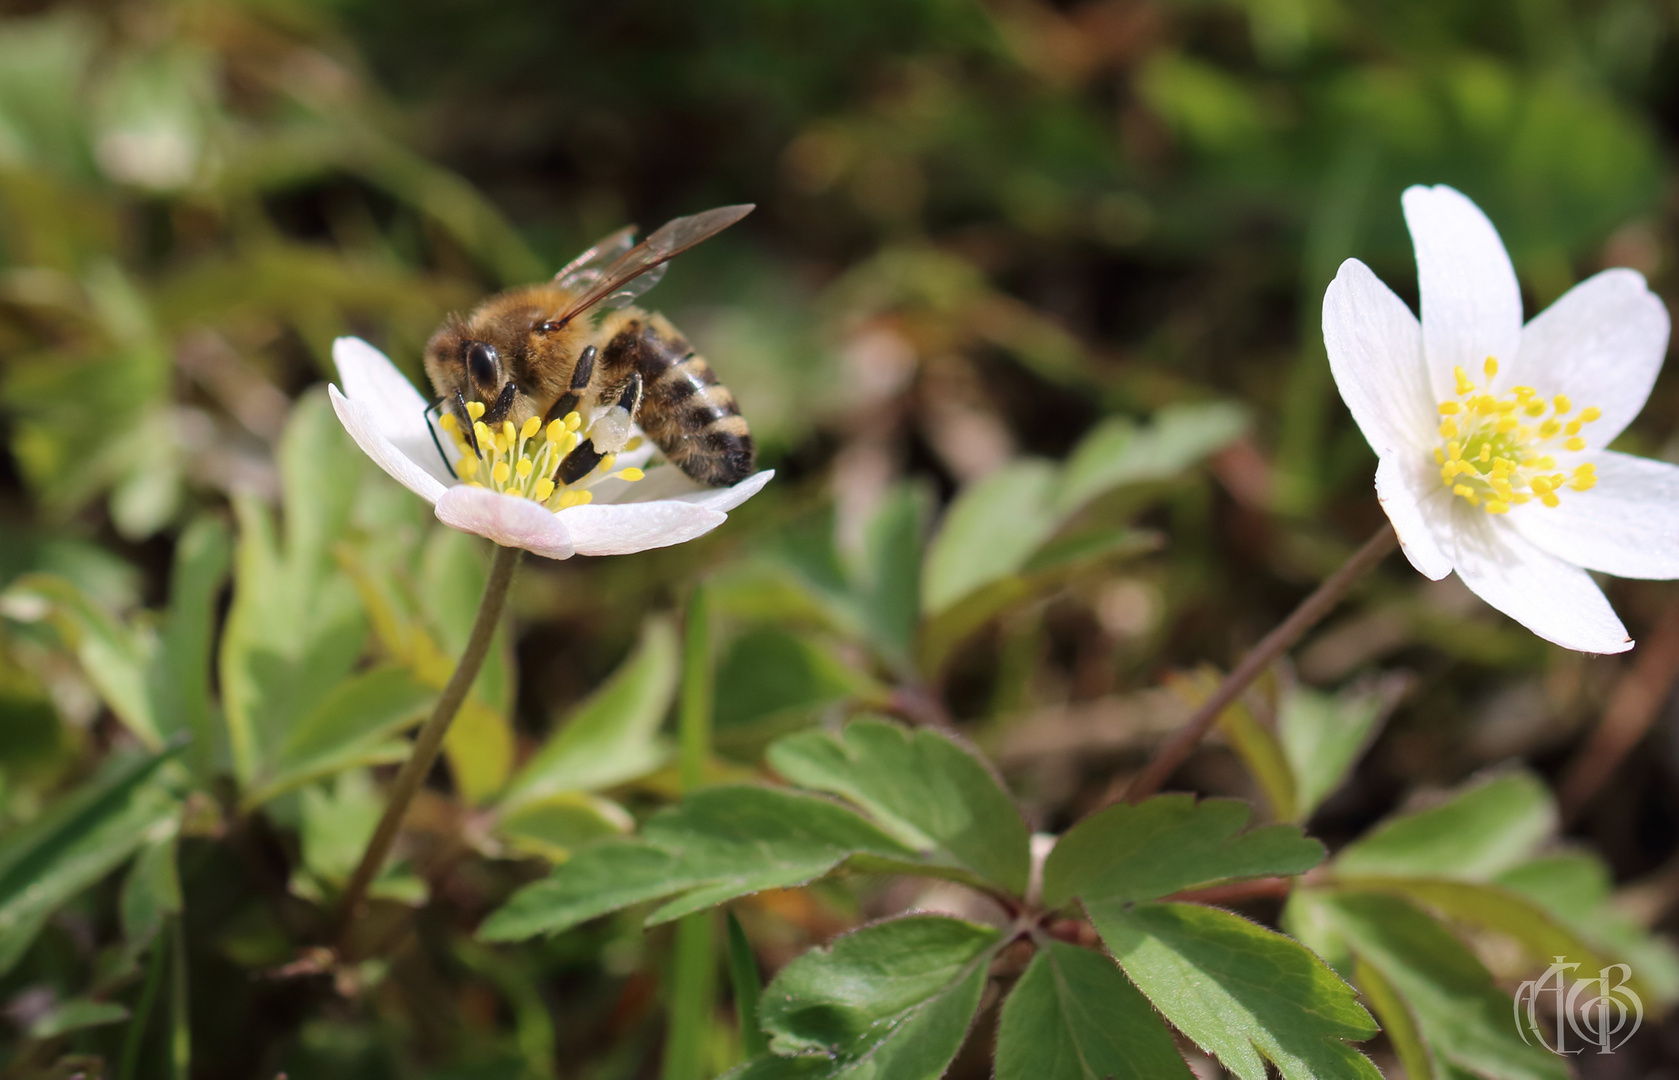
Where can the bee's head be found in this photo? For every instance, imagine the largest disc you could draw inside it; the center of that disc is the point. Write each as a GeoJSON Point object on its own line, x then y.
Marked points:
{"type": "Point", "coordinates": [463, 367]}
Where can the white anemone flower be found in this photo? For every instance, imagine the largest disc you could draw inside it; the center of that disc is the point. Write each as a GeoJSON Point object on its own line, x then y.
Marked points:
{"type": "Point", "coordinates": [1491, 435]}
{"type": "Point", "coordinates": [509, 496]}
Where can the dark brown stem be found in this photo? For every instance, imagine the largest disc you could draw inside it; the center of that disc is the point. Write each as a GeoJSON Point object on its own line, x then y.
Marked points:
{"type": "Point", "coordinates": [429, 742]}
{"type": "Point", "coordinates": [1172, 754]}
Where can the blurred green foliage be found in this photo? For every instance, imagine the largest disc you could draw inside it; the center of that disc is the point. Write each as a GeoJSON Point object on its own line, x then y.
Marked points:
{"type": "Point", "coordinates": [1027, 320]}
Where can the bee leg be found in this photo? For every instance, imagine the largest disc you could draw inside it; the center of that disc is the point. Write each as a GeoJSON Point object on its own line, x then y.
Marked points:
{"type": "Point", "coordinates": [504, 405]}
{"type": "Point", "coordinates": [630, 399]}
{"type": "Point", "coordinates": [578, 463]}
{"type": "Point", "coordinates": [471, 428]}
{"type": "Point", "coordinates": [431, 429]}
{"type": "Point", "coordinates": [573, 397]}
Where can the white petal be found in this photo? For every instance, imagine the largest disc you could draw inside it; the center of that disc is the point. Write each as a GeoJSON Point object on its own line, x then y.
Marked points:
{"type": "Point", "coordinates": [359, 421]}
{"type": "Point", "coordinates": [1628, 525]}
{"type": "Point", "coordinates": [1602, 344]}
{"type": "Point", "coordinates": [1420, 510]}
{"type": "Point", "coordinates": [1375, 354]}
{"type": "Point", "coordinates": [1471, 304]}
{"type": "Point", "coordinates": [669, 482]}
{"type": "Point", "coordinates": [373, 382]}
{"type": "Point", "coordinates": [630, 527]}
{"type": "Point", "coordinates": [1555, 599]}
{"type": "Point", "coordinates": [508, 520]}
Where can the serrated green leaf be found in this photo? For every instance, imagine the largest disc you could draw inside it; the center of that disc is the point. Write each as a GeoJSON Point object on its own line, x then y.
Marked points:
{"type": "Point", "coordinates": [922, 787]}
{"type": "Point", "coordinates": [989, 531]}
{"type": "Point", "coordinates": [1461, 1015]}
{"type": "Point", "coordinates": [1073, 1016]}
{"type": "Point", "coordinates": [1574, 888]}
{"type": "Point", "coordinates": [891, 1001]}
{"type": "Point", "coordinates": [1243, 993]}
{"type": "Point", "coordinates": [76, 843]}
{"type": "Point", "coordinates": [611, 737]}
{"type": "Point", "coordinates": [1322, 736]}
{"type": "Point", "coordinates": [716, 844]}
{"type": "Point", "coordinates": [1166, 844]}
{"type": "Point", "coordinates": [1481, 830]}
{"type": "Point", "coordinates": [1118, 452]}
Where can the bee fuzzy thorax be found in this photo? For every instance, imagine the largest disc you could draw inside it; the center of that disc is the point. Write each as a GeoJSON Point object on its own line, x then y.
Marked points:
{"type": "Point", "coordinates": [536, 461]}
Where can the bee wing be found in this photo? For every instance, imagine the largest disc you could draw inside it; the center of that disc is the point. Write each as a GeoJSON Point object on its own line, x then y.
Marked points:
{"type": "Point", "coordinates": [584, 271]}
{"type": "Point", "coordinates": [618, 283]}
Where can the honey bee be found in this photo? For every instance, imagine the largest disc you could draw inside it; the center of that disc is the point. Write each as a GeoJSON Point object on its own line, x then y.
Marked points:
{"type": "Point", "coordinates": [539, 351]}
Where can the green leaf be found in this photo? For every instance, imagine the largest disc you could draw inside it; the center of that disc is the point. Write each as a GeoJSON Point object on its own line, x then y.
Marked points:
{"type": "Point", "coordinates": [748, 989]}
{"type": "Point", "coordinates": [75, 843]}
{"type": "Point", "coordinates": [1323, 735]}
{"type": "Point", "coordinates": [891, 1001]}
{"type": "Point", "coordinates": [76, 1015]}
{"type": "Point", "coordinates": [336, 824]}
{"type": "Point", "coordinates": [923, 787]}
{"type": "Point", "coordinates": [295, 629]}
{"type": "Point", "coordinates": [1481, 830]}
{"type": "Point", "coordinates": [611, 737]}
{"type": "Point", "coordinates": [715, 845]}
{"type": "Point", "coordinates": [1253, 742]}
{"type": "Point", "coordinates": [1073, 1016]}
{"type": "Point", "coordinates": [1166, 844]}
{"type": "Point", "coordinates": [1243, 993]}
{"type": "Point", "coordinates": [357, 717]}
{"type": "Point", "coordinates": [771, 677]}
{"type": "Point", "coordinates": [1461, 1015]}
{"type": "Point", "coordinates": [989, 532]}
{"type": "Point", "coordinates": [1117, 452]}
{"type": "Point", "coordinates": [889, 577]}
{"type": "Point", "coordinates": [554, 827]}
{"type": "Point", "coordinates": [150, 893]}
{"type": "Point", "coordinates": [1574, 888]}
{"type": "Point", "coordinates": [182, 682]}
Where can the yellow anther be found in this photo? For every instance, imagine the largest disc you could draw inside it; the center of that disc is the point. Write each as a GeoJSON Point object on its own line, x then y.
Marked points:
{"type": "Point", "coordinates": [482, 431]}
{"type": "Point", "coordinates": [1464, 386]}
{"type": "Point", "coordinates": [1576, 443]}
{"type": "Point", "coordinates": [1454, 450]}
{"type": "Point", "coordinates": [571, 442]}
{"type": "Point", "coordinates": [532, 426]}
{"type": "Point", "coordinates": [1546, 462]}
{"type": "Point", "coordinates": [474, 483]}
{"type": "Point", "coordinates": [631, 474]}
{"type": "Point", "coordinates": [607, 462]}
{"type": "Point", "coordinates": [1573, 427]}
{"type": "Point", "coordinates": [1507, 424]}
{"type": "Point", "coordinates": [1540, 485]}
{"type": "Point", "coordinates": [1549, 429]}
{"type": "Point", "coordinates": [1497, 506]}
{"type": "Point", "coordinates": [1590, 413]}
{"type": "Point", "coordinates": [508, 431]}
{"type": "Point", "coordinates": [543, 490]}
{"type": "Point", "coordinates": [467, 467]}
{"type": "Point", "coordinates": [1535, 408]}
{"type": "Point", "coordinates": [501, 472]}
{"type": "Point", "coordinates": [1490, 367]}
{"type": "Point", "coordinates": [1550, 500]}
{"type": "Point", "coordinates": [1562, 403]}
{"type": "Point", "coordinates": [1447, 429]}
{"type": "Point", "coordinates": [1585, 467]}
{"type": "Point", "coordinates": [448, 422]}
{"type": "Point", "coordinates": [576, 498]}
{"type": "Point", "coordinates": [1583, 483]}
{"type": "Point", "coordinates": [1450, 408]}
{"type": "Point", "coordinates": [634, 444]}
{"type": "Point", "coordinates": [1523, 392]}
{"type": "Point", "coordinates": [1486, 404]}
{"type": "Point", "coordinates": [474, 410]}
{"type": "Point", "coordinates": [1557, 479]}
{"type": "Point", "coordinates": [1463, 489]}
{"type": "Point", "coordinates": [1439, 456]}
{"type": "Point", "coordinates": [524, 468]}
{"type": "Point", "coordinates": [573, 420]}
{"type": "Point", "coordinates": [1486, 453]}
{"type": "Point", "coordinates": [1505, 406]}
{"type": "Point", "coordinates": [1519, 498]}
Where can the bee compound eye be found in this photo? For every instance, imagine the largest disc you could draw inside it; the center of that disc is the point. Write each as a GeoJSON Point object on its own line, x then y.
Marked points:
{"type": "Point", "coordinates": [482, 363]}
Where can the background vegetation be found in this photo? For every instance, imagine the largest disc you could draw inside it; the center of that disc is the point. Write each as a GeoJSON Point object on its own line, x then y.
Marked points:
{"type": "Point", "coordinates": [1060, 261]}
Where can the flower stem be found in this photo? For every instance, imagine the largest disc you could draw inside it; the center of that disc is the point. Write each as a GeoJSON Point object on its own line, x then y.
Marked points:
{"type": "Point", "coordinates": [430, 740]}
{"type": "Point", "coordinates": [1172, 754]}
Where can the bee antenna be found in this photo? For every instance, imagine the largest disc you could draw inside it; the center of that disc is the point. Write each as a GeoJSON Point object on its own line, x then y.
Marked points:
{"type": "Point", "coordinates": [431, 429]}
{"type": "Point", "coordinates": [471, 431]}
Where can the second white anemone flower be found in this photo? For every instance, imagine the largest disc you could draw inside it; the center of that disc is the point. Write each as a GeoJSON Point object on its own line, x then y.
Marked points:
{"type": "Point", "coordinates": [509, 495]}
{"type": "Point", "coordinates": [1491, 435]}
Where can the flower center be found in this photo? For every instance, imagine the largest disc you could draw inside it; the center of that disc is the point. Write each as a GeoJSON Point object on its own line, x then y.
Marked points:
{"type": "Point", "coordinates": [525, 461]}
{"type": "Point", "coordinates": [1496, 451]}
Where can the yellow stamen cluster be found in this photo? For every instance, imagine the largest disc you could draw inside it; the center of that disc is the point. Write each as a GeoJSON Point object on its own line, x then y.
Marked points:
{"type": "Point", "coordinates": [1497, 451]}
{"type": "Point", "coordinates": [523, 460]}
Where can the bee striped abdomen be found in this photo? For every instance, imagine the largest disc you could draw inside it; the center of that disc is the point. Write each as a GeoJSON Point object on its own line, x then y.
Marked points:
{"type": "Point", "coordinates": [684, 409]}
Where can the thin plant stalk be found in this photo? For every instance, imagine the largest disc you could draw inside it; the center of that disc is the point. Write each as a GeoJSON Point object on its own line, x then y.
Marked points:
{"type": "Point", "coordinates": [1311, 610]}
{"type": "Point", "coordinates": [694, 967]}
{"type": "Point", "coordinates": [429, 742]}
